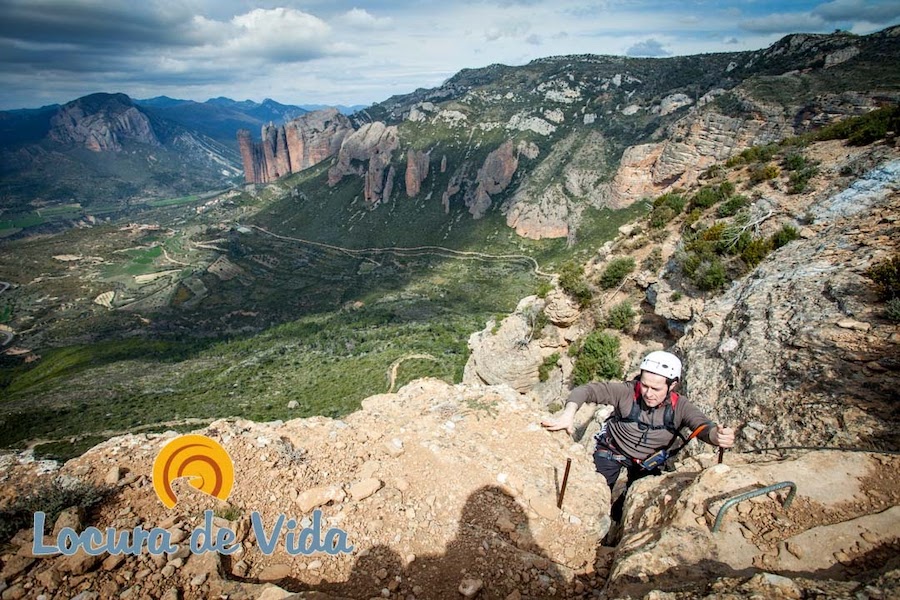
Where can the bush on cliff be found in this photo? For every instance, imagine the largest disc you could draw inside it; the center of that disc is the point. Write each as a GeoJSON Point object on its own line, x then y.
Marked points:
{"type": "Point", "coordinates": [597, 359]}
{"type": "Point", "coordinates": [571, 280]}
{"type": "Point", "coordinates": [616, 271]}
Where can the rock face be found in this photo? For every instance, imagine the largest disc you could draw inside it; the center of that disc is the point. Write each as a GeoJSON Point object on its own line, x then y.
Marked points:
{"type": "Point", "coordinates": [692, 143]}
{"type": "Point", "coordinates": [828, 529]}
{"type": "Point", "coordinates": [368, 151]}
{"type": "Point", "coordinates": [493, 177]}
{"type": "Point", "coordinates": [101, 122]}
{"type": "Point", "coordinates": [294, 146]}
{"type": "Point", "coordinates": [537, 210]}
{"type": "Point", "coordinates": [513, 350]}
{"type": "Point", "coordinates": [798, 353]}
{"type": "Point", "coordinates": [417, 163]}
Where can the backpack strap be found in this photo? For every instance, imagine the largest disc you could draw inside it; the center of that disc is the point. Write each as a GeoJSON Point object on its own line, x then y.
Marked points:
{"type": "Point", "coordinates": [668, 412]}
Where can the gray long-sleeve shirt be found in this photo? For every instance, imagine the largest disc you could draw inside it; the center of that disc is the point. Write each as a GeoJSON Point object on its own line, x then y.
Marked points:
{"type": "Point", "coordinates": [628, 436]}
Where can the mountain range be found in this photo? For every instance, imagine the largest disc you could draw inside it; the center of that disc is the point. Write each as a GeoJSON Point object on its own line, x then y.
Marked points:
{"type": "Point", "coordinates": [540, 146]}
{"type": "Point", "coordinates": [110, 148]}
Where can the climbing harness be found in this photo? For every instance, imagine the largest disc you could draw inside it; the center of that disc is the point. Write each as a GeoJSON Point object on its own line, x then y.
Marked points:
{"type": "Point", "coordinates": [607, 448]}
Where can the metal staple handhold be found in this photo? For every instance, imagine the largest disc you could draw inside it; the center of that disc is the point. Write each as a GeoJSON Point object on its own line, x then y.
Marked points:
{"type": "Point", "coordinates": [777, 486]}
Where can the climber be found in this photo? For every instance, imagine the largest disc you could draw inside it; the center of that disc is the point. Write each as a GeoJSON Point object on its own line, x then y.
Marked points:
{"type": "Point", "coordinates": [647, 416]}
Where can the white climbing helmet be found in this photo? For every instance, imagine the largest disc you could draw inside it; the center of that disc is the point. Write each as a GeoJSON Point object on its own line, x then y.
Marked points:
{"type": "Point", "coordinates": [662, 363]}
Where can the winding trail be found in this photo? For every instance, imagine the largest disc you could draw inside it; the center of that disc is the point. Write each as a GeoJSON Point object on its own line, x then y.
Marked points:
{"type": "Point", "coordinates": [395, 366]}
{"type": "Point", "coordinates": [172, 260]}
{"type": "Point", "coordinates": [418, 251]}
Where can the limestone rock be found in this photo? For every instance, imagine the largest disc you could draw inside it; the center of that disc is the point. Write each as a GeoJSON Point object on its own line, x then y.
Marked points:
{"type": "Point", "coordinates": [294, 146]}
{"type": "Point", "coordinates": [493, 177]}
{"type": "Point", "coordinates": [275, 572]}
{"type": "Point", "coordinates": [539, 209]}
{"type": "Point", "coordinates": [561, 309]}
{"type": "Point", "coordinates": [113, 475]}
{"type": "Point", "coordinates": [78, 563]}
{"type": "Point", "coordinates": [416, 171]}
{"type": "Point", "coordinates": [469, 588]}
{"type": "Point", "coordinates": [15, 566]}
{"type": "Point", "coordinates": [365, 488]}
{"type": "Point", "coordinates": [545, 506]}
{"type": "Point", "coordinates": [373, 143]}
{"type": "Point", "coordinates": [502, 357]}
{"type": "Point", "coordinates": [680, 308]}
{"type": "Point", "coordinates": [320, 496]}
{"type": "Point", "coordinates": [104, 130]}
{"type": "Point", "coordinates": [71, 517]}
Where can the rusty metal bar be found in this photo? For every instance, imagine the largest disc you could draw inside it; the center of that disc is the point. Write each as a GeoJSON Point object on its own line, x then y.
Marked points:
{"type": "Point", "coordinates": [562, 488]}
{"type": "Point", "coordinates": [771, 488]}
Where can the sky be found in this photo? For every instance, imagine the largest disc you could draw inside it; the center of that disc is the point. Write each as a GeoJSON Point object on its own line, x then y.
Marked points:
{"type": "Point", "coordinates": [363, 51]}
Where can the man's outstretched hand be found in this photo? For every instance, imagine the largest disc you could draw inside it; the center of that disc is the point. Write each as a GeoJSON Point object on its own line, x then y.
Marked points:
{"type": "Point", "coordinates": [564, 421]}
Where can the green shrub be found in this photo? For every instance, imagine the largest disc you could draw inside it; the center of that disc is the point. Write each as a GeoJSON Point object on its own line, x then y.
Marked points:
{"type": "Point", "coordinates": [6, 313]}
{"type": "Point", "coordinates": [571, 280]}
{"type": "Point", "coordinates": [597, 359]}
{"type": "Point", "coordinates": [616, 271]}
{"type": "Point", "coordinates": [711, 276]}
{"type": "Point", "coordinates": [764, 172]}
{"type": "Point", "coordinates": [50, 498]}
{"type": "Point", "coordinates": [676, 296]}
{"type": "Point", "coordinates": [693, 217]}
{"type": "Point", "coordinates": [620, 316]}
{"type": "Point", "coordinates": [892, 311]}
{"type": "Point", "coordinates": [661, 216]}
{"type": "Point", "coordinates": [653, 261]}
{"type": "Point", "coordinates": [726, 189]}
{"type": "Point", "coordinates": [756, 251]}
{"type": "Point", "coordinates": [229, 513]}
{"type": "Point", "coordinates": [666, 208]}
{"type": "Point", "coordinates": [731, 207]}
{"type": "Point", "coordinates": [794, 161]}
{"type": "Point", "coordinates": [674, 201]}
{"type": "Point", "coordinates": [547, 366]}
{"type": "Point", "coordinates": [798, 181]}
{"type": "Point", "coordinates": [754, 154]}
{"type": "Point", "coordinates": [538, 323]}
{"type": "Point", "coordinates": [713, 172]}
{"type": "Point", "coordinates": [706, 197]}
{"type": "Point", "coordinates": [886, 276]}
{"type": "Point", "coordinates": [543, 288]}
{"type": "Point", "coordinates": [786, 234]}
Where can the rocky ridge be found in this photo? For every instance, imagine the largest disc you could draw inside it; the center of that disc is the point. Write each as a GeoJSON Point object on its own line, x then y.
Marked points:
{"type": "Point", "coordinates": [290, 148]}
{"type": "Point", "coordinates": [606, 133]}
{"type": "Point", "coordinates": [101, 130]}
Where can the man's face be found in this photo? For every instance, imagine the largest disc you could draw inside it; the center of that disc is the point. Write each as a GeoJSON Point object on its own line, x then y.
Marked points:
{"type": "Point", "coordinates": [653, 388]}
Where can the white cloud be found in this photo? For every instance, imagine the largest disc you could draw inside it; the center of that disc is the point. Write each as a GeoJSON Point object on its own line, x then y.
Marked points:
{"type": "Point", "coordinates": [649, 47]}
{"type": "Point", "coordinates": [363, 19]}
{"type": "Point", "coordinates": [283, 34]}
{"type": "Point", "coordinates": [507, 31]}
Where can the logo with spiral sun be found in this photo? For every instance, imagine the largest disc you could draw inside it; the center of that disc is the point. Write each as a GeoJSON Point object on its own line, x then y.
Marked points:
{"type": "Point", "coordinates": [202, 460]}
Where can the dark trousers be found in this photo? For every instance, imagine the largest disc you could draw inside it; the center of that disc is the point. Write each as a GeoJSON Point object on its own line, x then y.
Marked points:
{"type": "Point", "coordinates": [610, 470]}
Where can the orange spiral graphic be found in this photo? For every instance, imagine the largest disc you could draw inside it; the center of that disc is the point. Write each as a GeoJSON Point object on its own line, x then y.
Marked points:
{"type": "Point", "coordinates": [202, 460]}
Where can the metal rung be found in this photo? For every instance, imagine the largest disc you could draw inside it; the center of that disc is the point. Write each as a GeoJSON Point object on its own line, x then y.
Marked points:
{"type": "Point", "coordinates": [731, 502]}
